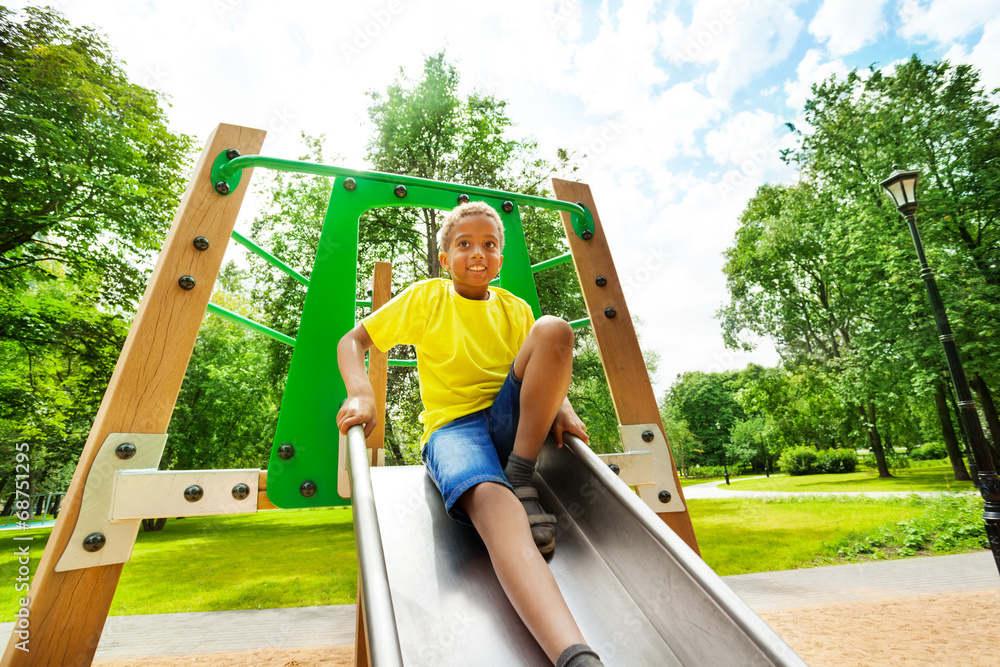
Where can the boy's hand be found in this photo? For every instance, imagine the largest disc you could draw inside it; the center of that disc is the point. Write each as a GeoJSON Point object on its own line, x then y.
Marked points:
{"type": "Point", "coordinates": [358, 410]}
{"type": "Point", "coordinates": [567, 422]}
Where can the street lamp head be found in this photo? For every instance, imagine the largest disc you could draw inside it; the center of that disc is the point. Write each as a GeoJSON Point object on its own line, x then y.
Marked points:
{"type": "Point", "coordinates": [902, 185]}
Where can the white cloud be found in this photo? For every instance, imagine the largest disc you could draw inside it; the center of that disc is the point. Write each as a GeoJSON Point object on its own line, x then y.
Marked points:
{"type": "Point", "coordinates": [943, 20]}
{"type": "Point", "coordinates": [811, 69]}
{"type": "Point", "coordinates": [847, 25]}
{"type": "Point", "coordinates": [984, 56]}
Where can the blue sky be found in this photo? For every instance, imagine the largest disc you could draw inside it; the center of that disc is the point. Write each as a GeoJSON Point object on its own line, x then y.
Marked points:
{"type": "Point", "coordinates": [680, 107]}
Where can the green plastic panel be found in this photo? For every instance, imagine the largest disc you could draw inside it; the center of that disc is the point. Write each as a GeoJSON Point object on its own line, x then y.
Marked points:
{"type": "Point", "coordinates": [314, 389]}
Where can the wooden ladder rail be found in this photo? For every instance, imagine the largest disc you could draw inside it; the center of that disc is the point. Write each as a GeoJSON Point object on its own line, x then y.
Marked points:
{"type": "Point", "coordinates": [67, 610]}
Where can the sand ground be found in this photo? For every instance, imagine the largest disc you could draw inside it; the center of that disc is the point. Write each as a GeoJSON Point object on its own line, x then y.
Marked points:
{"type": "Point", "coordinates": [944, 629]}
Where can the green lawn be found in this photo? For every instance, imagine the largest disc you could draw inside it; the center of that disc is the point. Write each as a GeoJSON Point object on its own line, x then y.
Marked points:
{"type": "Point", "coordinates": [937, 478]}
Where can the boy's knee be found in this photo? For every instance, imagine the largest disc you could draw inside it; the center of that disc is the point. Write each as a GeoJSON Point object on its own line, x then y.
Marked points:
{"type": "Point", "coordinates": [554, 330]}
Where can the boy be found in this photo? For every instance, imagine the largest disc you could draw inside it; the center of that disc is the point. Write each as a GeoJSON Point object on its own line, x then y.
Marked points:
{"type": "Point", "coordinates": [493, 383]}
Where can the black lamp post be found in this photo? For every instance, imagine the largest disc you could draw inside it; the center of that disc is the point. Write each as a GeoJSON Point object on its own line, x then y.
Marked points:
{"type": "Point", "coordinates": [725, 454]}
{"type": "Point", "coordinates": [902, 185]}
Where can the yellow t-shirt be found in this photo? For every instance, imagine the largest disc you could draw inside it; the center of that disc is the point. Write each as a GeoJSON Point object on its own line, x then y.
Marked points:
{"type": "Point", "coordinates": [464, 347]}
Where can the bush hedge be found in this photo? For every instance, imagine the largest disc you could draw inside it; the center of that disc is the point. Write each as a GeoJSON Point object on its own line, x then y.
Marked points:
{"type": "Point", "coordinates": [805, 460]}
{"type": "Point", "coordinates": [836, 461]}
{"type": "Point", "coordinates": [799, 460]}
{"type": "Point", "coordinates": [929, 452]}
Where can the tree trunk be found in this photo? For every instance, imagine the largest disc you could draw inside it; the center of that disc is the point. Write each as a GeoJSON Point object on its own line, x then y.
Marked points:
{"type": "Point", "coordinates": [153, 525]}
{"type": "Point", "coordinates": [867, 414]}
{"type": "Point", "coordinates": [990, 411]}
{"type": "Point", "coordinates": [948, 433]}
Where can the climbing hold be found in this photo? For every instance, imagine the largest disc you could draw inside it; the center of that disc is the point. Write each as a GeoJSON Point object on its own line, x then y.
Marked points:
{"type": "Point", "coordinates": [193, 493]}
{"type": "Point", "coordinates": [648, 436]}
{"type": "Point", "coordinates": [601, 281]}
{"type": "Point", "coordinates": [241, 491]}
{"type": "Point", "coordinates": [201, 243]}
{"type": "Point", "coordinates": [308, 489]}
{"type": "Point", "coordinates": [664, 496]}
{"type": "Point", "coordinates": [463, 199]}
{"type": "Point", "coordinates": [186, 282]}
{"type": "Point", "coordinates": [286, 451]}
{"type": "Point", "coordinates": [350, 184]}
{"type": "Point", "coordinates": [610, 312]}
{"type": "Point", "coordinates": [232, 154]}
{"type": "Point", "coordinates": [94, 542]}
{"type": "Point", "coordinates": [222, 188]}
{"type": "Point", "coordinates": [507, 206]}
{"type": "Point", "coordinates": [400, 191]}
{"type": "Point", "coordinates": [125, 451]}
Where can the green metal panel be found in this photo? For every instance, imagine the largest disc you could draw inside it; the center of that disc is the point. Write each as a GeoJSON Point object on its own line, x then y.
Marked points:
{"type": "Point", "coordinates": [314, 389]}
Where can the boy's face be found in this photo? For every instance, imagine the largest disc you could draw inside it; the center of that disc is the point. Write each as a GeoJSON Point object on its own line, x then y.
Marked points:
{"type": "Point", "coordinates": [473, 256]}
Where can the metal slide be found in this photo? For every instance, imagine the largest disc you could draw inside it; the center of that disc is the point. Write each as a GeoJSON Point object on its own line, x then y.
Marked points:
{"type": "Point", "coordinates": [638, 592]}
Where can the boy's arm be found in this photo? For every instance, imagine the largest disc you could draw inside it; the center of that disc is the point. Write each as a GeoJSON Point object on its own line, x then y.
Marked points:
{"type": "Point", "coordinates": [359, 408]}
{"type": "Point", "coordinates": [567, 421]}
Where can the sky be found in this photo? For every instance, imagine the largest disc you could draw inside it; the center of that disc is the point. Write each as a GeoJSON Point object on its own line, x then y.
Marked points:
{"type": "Point", "coordinates": [678, 107]}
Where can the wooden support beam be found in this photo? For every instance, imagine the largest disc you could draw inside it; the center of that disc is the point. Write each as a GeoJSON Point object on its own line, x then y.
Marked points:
{"type": "Point", "coordinates": [67, 610]}
{"type": "Point", "coordinates": [378, 361]}
{"type": "Point", "coordinates": [617, 343]}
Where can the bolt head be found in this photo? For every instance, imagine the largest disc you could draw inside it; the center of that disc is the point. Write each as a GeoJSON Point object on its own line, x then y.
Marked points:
{"type": "Point", "coordinates": [400, 191]}
{"type": "Point", "coordinates": [94, 542]}
{"type": "Point", "coordinates": [186, 282]}
{"type": "Point", "coordinates": [610, 312]}
{"type": "Point", "coordinates": [308, 489]}
{"type": "Point", "coordinates": [193, 493]}
{"type": "Point", "coordinates": [664, 496]}
{"type": "Point", "coordinates": [587, 235]}
{"type": "Point", "coordinates": [286, 451]}
{"type": "Point", "coordinates": [125, 451]}
{"type": "Point", "coordinates": [648, 436]}
{"type": "Point", "coordinates": [507, 206]}
{"type": "Point", "coordinates": [201, 243]}
{"type": "Point", "coordinates": [601, 281]}
{"type": "Point", "coordinates": [241, 491]}
{"type": "Point", "coordinates": [615, 469]}
{"type": "Point", "coordinates": [232, 154]}
{"type": "Point", "coordinates": [350, 184]}
{"type": "Point", "coordinates": [222, 188]}
{"type": "Point", "coordinates": [463, 199]}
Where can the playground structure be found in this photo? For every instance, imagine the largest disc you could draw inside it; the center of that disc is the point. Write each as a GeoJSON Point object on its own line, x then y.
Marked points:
{"type": "Point", "coordinates": [627, 561]}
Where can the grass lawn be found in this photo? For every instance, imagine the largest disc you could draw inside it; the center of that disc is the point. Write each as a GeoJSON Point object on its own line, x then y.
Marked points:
{"type": "Point", "coordinates": [762, 535]}
{"type": "Point", "coordinates": [937, 478]}
{"type": "Point", "coordinates": [278, 558]}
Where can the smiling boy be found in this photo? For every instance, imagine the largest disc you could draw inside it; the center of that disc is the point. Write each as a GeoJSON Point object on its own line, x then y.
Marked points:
{"type": "Point", "coordinates": [493, 383]}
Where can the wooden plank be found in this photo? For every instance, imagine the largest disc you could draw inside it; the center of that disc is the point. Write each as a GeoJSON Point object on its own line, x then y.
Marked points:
{"type": "Point", "coordinates": [617, 343]}
{"type": "Point", "coordinates": [68, 609]}
{"type": "Point", "coordinates": [263, 502]}
{"type": "Point", "coordinates": [378, 361]}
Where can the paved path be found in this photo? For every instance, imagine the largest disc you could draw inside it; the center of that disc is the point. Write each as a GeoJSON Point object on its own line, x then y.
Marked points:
{"type": "Point", "coordinates": [713, 490]}
{"type": "Point", "coordinates": [134, 637]}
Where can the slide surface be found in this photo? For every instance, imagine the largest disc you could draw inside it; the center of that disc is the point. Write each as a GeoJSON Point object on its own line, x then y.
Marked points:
{"type": "Point", "coordinates": [639, 594]}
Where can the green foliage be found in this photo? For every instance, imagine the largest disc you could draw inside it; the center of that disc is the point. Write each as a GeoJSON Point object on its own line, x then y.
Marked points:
{"type": "Point", "coordinates": [932, 451]}
{"type": "Point", "coordinates": [799, 460]}
{"type": "Point", "coordinates": [706, 402]}
{"type": "Point", "coordinates": [836, 461]}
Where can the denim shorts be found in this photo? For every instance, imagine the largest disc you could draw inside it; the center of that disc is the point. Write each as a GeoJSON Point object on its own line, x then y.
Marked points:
{"type": "Point", "coordinates": [474, 449]}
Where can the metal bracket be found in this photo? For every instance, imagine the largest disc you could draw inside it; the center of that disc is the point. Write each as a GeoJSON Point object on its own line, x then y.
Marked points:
{"type": "Point", "coordinates": [155, 494]}
{"type": "Point", "coordinates": [634, 468]}
{"type": "Point", "coordinates": [661, 495]}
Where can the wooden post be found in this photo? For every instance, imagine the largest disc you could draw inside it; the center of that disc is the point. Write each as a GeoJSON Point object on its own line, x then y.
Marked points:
{"type": "Point", "coordinates": [617, 343]}
{"type": "Point", "coordinates": [67, 610]}
{"type": "Point", "coordinates": [378, 361]}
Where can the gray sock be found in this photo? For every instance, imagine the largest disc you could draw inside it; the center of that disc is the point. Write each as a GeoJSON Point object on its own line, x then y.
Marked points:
{"type": "Point", "coordinates": [579, 655]}
{"type": "Point", "coordinates": [519, 471]}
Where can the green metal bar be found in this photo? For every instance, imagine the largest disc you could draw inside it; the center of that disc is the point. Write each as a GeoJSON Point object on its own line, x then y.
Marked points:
{"type": "Point", "coordinates": [250, 324]}
{"type": "Point", "coordinates": [268, 257]}
{"type": "Point", "coordinates": [364, 304]}
{"type": "Point", "coordinates": [555, 261]}
{"type": "Point", "coordinates": [235, 165]}
{"type": "Point", "coordinates": [409, 363]}
{"type": "Point", "coordinates": [576, 324]}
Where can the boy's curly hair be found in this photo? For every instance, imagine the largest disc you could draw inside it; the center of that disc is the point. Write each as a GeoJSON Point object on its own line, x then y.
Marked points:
{"type": "Point", "coordinates": [464, 211]}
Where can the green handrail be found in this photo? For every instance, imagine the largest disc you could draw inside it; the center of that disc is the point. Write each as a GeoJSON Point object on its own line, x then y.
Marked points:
{"type": "Point", "coordinates": [555, 261]}
{"type": "Point", "coordinates": [582, 322]}
{"type": "Point", "coordinates": [226, 170]}
{"type": "Point", "coordinates": [250, 324]}
{"type": "Point", "coordinates": [269, 258]}
{"type": "Point", "coordinates": [408, 363]}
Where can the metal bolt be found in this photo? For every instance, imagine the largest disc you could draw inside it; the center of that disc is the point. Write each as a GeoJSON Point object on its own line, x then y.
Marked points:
{"type": "Point", "coordinates": [615, 469]}
{"type": "Point", "coordinates": [350, 184]}
{"type": "Point", "coordinates": [400, 191]}
{"type": "Point", "coordinates": [193, 493]}
{"type": "Point", "coordinates": [601, 281]}
{"type": "Point", "coordinates": [587, 235]}
{"type": "Point", "coordinates": [94, 542]}
{"type": "Point", "coordinates": [186, 282]}
{"type": "Point", "coordinates": [664, 496]}
{"type": "Point", "coordinates": [308, 489]}
{"type": "Point", "coordinates": [610, 312]}
{"type": "Point", "coordinates": [463, 199]}
{"type": "Point", "coordinates": [648, 436]}
{"type": "Point", "coordinates": [125, 451]}
{"type": "Point", "coordinates": [201, 243]}
{"type": "Point", "coordinates": [222, 188]}
{"type": "Point", "coordinates": [241, 491]}
{"type": "Point", "coordinates": [507, 206]}
{"type": "Point", "coordinates": [232, 154]}
{"type": "Point", "coordinates": [286, 451]}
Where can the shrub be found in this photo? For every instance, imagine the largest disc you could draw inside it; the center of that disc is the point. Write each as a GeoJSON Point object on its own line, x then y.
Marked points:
{"type": "Point", "coordinates": [799, 460]}
{"type": "Point", "coordinates": [930, 451]}
{"type": "Point", "coordinates": [836, 461]}
{"type": "Point", "coordinates": [705, 472]}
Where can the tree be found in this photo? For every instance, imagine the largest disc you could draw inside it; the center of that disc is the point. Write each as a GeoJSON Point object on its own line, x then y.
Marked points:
{"type": "Point", "coordinates": [89, 173]}
{"type": "Point", "coordinates": [706, 402]}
